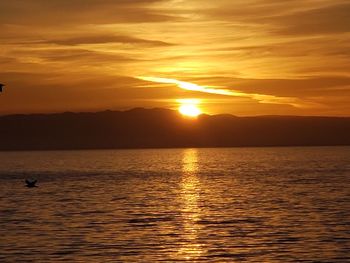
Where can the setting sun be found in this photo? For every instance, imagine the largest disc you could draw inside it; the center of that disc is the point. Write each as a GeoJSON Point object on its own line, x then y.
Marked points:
{"type": "Point", "coordinates": [190, 110]}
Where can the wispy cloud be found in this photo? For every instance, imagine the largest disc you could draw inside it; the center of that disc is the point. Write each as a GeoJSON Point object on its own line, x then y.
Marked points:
{"type": "Point", "coordinates": [105, 39]}
{"type": "Point", "coordinates": [261, 98]}
{"type": "Point", "coordinates": [66, 12]}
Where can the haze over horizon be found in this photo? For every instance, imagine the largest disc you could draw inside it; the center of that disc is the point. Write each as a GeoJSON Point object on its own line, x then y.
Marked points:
{"type": "Point", "coordinates": [253, 57]}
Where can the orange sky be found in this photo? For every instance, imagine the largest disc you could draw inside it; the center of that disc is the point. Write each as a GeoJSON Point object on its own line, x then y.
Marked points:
{"type": "Point", "coordinates": [244, 57]}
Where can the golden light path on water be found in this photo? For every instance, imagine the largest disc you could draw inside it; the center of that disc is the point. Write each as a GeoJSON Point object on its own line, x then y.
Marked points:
{"type": "Point", "coordinates": [261, 98]}
{"type": "Point", "coordinates": [190, 210]}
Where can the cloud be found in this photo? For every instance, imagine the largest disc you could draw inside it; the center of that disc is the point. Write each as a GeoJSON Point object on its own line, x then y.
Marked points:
{"type": "Point", "coordinates": [105, 39]}
{"type": "Point", "coordinates": [81, 55]}
{"type": "Point", "coordinates": [325, 46]}
{"type": "Point", "coordinates": [302, 88]}
{"type": "Point", "coordinates": [286, 17]}
{"type": "Point", "coordinates": [261, 98]}
{"type": "Point", "coordinates": [326, 20]}
{"type": "Point", "coordinates": [65, 12]}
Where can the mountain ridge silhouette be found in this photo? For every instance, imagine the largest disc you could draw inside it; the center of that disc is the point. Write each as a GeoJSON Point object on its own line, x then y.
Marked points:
{"type": "Point", "coordinates": [164, 128]}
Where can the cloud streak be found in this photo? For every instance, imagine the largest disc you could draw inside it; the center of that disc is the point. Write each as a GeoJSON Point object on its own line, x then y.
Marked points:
{"type": "Point", "coordinates": [261, 98]}
{"type": "Point", "coordinates": [105, 39]}
{"type": "Point", "coordinates": [66, 12]}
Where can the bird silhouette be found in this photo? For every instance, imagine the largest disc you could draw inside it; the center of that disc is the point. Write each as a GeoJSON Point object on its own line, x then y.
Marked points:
{"type": "Point", "coordinates": [30, 183]}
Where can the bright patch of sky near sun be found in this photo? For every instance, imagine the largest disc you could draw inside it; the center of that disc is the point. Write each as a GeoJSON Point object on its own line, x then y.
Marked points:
{"type": "Point", "coordinates": [248, 58]}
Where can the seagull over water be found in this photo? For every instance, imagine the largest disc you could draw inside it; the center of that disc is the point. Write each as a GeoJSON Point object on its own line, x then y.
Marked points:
{"type": "Point", "coordinates": [30, 183]}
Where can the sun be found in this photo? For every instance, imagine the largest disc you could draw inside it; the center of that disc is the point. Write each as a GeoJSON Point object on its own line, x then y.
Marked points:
{"type": "Point", "coordinates": [190, 110]}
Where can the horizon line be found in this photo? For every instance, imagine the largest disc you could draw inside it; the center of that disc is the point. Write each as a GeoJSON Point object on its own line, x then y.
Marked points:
{"type": "Point", "coordinates": [159, 108]}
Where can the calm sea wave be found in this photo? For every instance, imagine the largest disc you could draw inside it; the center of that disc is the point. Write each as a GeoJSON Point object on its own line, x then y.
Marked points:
{"type": "Point", "coordinates": [211, 205]}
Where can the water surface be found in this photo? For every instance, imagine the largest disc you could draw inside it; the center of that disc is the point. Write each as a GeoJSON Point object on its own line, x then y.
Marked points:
{"type": "Point", "coordinates": [210, 205]}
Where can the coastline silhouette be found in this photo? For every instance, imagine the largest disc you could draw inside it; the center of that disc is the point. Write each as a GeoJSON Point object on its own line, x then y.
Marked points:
{"type": "Point", "coordinates": [162, 128]}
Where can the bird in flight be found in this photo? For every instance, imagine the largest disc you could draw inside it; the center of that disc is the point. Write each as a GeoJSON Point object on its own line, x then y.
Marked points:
{"type": "Point", "coordinates": [30, 183]}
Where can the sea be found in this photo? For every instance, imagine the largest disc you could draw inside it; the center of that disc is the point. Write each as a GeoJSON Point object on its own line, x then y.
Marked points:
{"type": "Point", "coordinates": [176, 205]}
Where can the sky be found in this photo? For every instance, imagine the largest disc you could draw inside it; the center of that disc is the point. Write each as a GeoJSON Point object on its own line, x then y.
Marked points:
{"type": "Point", "coordinates": [242, 57]}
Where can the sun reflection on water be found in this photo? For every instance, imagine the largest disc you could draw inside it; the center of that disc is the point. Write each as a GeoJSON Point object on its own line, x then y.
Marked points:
{"type": "Point", "coordinates": [191, 212]}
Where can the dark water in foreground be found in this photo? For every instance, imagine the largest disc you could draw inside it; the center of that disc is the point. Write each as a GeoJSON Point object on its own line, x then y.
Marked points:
{"type": "Point", "coordinates": [213, 205]}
